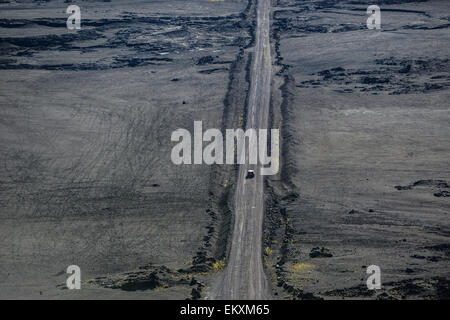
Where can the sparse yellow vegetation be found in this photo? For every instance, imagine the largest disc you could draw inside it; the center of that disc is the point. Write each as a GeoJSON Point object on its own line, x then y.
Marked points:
{"type": "Point", "coordinates": [187, 276]}
{"type": "Point", "coordinates": [299, 273]}
{"type": "Point", "coordinates": [298, 267]}
{"type": "Point", "coordinates": [219, 265]}
{"type": "Point", "coordinates": [164, 286]}
{"type": "Point", "coordinates": [240, 121]}
{"type": "Point", "coordinates": [268, 251]}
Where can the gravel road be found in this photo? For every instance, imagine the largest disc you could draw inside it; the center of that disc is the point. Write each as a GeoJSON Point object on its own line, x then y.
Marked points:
{"type": "Point", "coordinates": [244, 276]}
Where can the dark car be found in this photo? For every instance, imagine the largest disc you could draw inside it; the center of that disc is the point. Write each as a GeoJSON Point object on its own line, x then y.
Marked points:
{"type": "Point", "coordinates": [250, 174]}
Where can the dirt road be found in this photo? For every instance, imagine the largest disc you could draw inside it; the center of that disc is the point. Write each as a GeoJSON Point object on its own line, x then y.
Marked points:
{"type": "Point", "coordinates": [244, 276]}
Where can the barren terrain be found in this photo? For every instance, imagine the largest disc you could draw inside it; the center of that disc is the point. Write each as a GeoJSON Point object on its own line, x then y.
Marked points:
{"type": "Point", "coordinates": [366, 170]}
{"type": "Point", "coordinates": [86, 121]}
{"type": "Point", "coordinates": [86, 178]}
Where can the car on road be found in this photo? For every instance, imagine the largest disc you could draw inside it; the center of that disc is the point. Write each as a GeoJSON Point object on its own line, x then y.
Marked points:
{"type": "Point", "coordinates": [250, 174]}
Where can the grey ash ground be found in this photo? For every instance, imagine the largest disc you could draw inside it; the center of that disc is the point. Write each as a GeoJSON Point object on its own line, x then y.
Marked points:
{"type": "Point", "coordinates": [85, 125]}
{"type": "Point", "coordinates": [86, 121]}
{"type": "Point", "coordinates": [366, 177]}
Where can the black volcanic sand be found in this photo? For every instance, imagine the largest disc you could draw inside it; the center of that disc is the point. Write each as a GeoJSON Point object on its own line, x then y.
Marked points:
{"type": "Point", "coordinates": [86, 120]}
{"type": "Point", "coordinates": [366, 176]}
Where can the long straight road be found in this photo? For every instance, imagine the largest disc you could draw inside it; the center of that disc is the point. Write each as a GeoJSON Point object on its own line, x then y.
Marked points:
{"type": "Point", "coordinates": [244, 276]}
